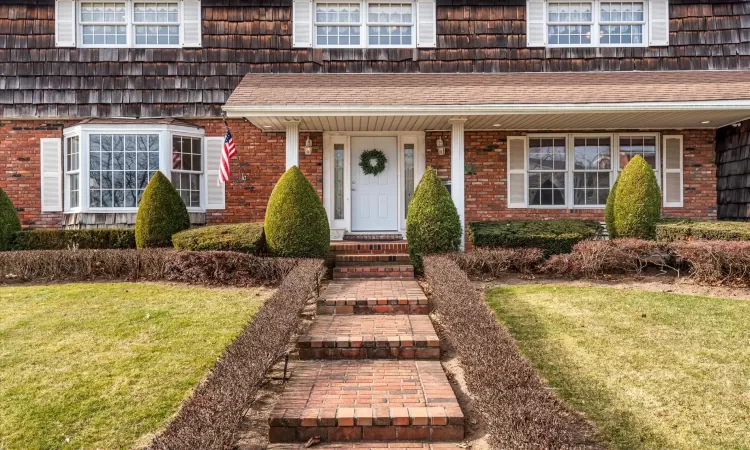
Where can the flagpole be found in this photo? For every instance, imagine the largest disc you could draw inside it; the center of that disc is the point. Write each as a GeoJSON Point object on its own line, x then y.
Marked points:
{"type": "Point", "coordinates": [237, 154]}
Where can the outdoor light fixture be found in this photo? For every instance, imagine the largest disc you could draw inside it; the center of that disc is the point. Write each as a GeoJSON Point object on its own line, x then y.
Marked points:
{"type": "Point", "coordinates": [308, 146]}
{"type": "Point", "coordinates": [706, 122]}
{"type": "Point", "coordinates": [440, 146]}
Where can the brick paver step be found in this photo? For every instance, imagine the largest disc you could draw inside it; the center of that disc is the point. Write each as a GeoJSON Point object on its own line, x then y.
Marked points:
{"type": "Point", "coordinates": [373, 446]}
{"type": "Point", "coordinates": [386, 296]}
{"type": "Point", "coordinates": [373, 257]}
{"type": "Point", "coordinates": [370, 336]}
{"type": "Point", "coordinates": [364, 247]}
{"type": "Point", "coordinates": [382, 270]}
{"type": "Point", "coordinates": [367, 400]}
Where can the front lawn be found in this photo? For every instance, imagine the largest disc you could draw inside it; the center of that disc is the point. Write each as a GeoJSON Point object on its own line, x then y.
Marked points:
{"type": "Point", "coordinates": [103, 365]}
{"type": "Point", "coordinates": [650, 369]}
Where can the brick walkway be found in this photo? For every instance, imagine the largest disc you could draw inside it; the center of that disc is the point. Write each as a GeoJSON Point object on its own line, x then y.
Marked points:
{"type": "Point", "coordinates": [369, 375]}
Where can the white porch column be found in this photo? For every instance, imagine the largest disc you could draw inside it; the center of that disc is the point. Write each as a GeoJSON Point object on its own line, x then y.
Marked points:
{"type": "Point", "coordinates": [457, 170]}
{"type": "Point", "coordinates": [292, 143]}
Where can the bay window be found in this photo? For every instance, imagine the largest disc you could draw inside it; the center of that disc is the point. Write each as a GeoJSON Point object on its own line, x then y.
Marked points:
{"type": "Point", "coordinates": [108, 167]}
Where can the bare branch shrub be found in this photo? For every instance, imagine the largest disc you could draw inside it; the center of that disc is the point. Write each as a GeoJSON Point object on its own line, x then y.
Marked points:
{"type": "Point", "coordinates": [226, 268]}
{"type": "Point", "coordinates": [716, 262]}
{"type": "Point", "coordinates": [517, 407]}
{"type": "Point", "coordinates": [593, 259]}
{"type": "Point", "coordinates": [498, 260]}
{"type": "Point", "coordinates": [209, 418]}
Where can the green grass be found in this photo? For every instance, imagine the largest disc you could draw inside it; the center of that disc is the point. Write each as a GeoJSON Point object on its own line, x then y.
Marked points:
{"type": "Point", "coordinates": [102, 366]}
{"type": "Point", "coordinates": [652, 370]}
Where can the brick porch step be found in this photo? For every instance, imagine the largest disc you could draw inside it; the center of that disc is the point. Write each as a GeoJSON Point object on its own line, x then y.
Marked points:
{"type": "Point", "coordinates": [367, 400]}
{"type": "Point", "coordinates": [372, 446]}
{"type": "Point", "coordinates": [364, 247]}
{"type": "Point", "coordinates": [373, 336]}
{"type": "Point", "coordinates": [373, 237]}
{"type": "Point", "coordinates": [374, 271]}
{"type": "Point", "coordinates": [373, 297]}
{"type": "Point", "coordinates": [373, 257]}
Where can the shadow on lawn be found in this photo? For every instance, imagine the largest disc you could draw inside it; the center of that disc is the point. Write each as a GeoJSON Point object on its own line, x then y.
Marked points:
{"type": "Point", "coordinates": [618, 427]}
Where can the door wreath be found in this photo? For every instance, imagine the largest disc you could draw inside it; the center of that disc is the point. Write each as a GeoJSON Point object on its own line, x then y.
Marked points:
{"type": "Point", "coordinates": [367, 158]}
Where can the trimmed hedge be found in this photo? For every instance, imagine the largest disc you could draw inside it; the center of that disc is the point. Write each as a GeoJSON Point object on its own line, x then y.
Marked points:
{"type": "Point", "coordinates": [241, 237]}
{"type": "Point", "coordinates": [637, 202]}
{"type": "Point", "coordinates": [716, 262]}
{"type": "Point", "coordinates": [518, 408]}
{"type": "Point", "coordinates": [296, 223]}
{"type": "Point", "coordinates": [9, 223]}
{"type": "Point", "coordinates": [223, 268]}
{"type": "Point", "coordinates": [497, 261]}
{"type": "Point", "coordinates": [551, 236]}
{"type": "Point", "coordinates": [161, 214]}
{"type": "Point", "coordinates": [209, 418]}
{"type": "Point", "coordinates": [432, 224]}
{"type": "Point", "coordinates": [596, 258]}
{"type": "Point", "coordinates": [688, 229]}
{"type": "Point", "coordinates": [609, 211]}
{"type": "Point", "coordinates": [100, 238]}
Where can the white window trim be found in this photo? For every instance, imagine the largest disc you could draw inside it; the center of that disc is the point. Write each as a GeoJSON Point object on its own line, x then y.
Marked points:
{"type": "Point", "coordinates": [130, 25]}
{"type": "Point", "coordinates": [68, 173]}
{"type": "Point", "coordinates": [570, 170]}
{"type": "Point", "coordinates": [364, 24]}
{"type": "Point", "coordinates": [596, 24]}
{"type": "Point", "coordinates": [165, 133]}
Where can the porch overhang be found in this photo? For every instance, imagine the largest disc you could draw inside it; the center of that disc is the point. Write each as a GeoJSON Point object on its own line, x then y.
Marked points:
{"type": "Point", "coordinates": [526, 102]}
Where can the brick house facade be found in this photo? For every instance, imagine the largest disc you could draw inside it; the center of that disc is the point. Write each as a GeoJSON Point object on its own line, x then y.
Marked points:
{"type": "Point", "coordinates": [57, 75]}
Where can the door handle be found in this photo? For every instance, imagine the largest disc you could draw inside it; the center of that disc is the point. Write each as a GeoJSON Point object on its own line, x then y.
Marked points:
{"type": "Point", "coordinates": [353, 189]}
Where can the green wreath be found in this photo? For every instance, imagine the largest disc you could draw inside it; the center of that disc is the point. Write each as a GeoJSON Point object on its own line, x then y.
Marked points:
{"type": "Point", "coordinates": [365, 162]}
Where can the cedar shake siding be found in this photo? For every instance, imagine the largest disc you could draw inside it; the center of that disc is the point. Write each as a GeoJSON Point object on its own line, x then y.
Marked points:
{"type": "Point", "coordinates": [39, 80]}
{"type": "Point", "coordinates": [733, 171]}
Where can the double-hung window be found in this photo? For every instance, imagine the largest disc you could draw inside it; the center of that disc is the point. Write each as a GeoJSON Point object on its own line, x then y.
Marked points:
{"type": "Point", "coordinates": [103, 24]}
{"type": "Point", "coordinates": [187, 168]}
{"type": "Point", "coordinates": [578, 170]}
{"type": "Point", "coordinates": [364, 24]}
{"type": "Point", "coordinates": [73, 171]}
{"type": "Point", "coordinates": [156, 24]}
{"type": "Point", "coordinates": [597, 23]}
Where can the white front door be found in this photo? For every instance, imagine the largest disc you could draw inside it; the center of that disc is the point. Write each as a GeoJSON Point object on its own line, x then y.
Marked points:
{"type": "Point", "coordinates": [375, 197]}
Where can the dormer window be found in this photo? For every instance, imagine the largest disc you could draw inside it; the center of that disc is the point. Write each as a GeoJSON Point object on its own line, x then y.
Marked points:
{"type": "Point", "coordinates": [597, 23]}
{"type": "Point", "coordinates": [128, 23]}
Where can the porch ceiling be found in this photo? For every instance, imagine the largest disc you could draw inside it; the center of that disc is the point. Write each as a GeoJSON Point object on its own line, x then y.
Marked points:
{"type": "Point", "coordinates": [506, 101]}
{"type": "Point", "coordinates": [643, 120]}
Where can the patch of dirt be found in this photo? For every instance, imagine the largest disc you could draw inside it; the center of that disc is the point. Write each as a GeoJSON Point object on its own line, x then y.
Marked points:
{"type": "Point", "coordinates": [654, 283]}
{"type": "Point", "coordinates": [476, 433]}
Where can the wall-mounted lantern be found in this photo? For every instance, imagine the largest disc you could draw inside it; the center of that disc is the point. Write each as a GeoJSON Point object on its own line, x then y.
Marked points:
{"type": "Point", "coordinates": [308, 146]}
{"type": "Point", "coordinates": [440, 146]}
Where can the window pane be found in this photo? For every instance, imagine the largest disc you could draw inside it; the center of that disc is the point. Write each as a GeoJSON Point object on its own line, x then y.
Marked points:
{"type": "Point", "coordinates": [547, 165]}
{"type": "Point", "coordinates": [113, 176]}
{"type": "Point", "coordinates": [186, 168]}
{"type": "Point", "coordinates": [338, 175]}
{"type": "Point", "coordinates": [643, 146]}
{"type": "Point", "coordinates": [393, 35]}
{"type": "Point", "coordinates": [337, 35]}
{"type": "Point", "coordinates": [337, 12]}
{"type": "Point", "coordinates": [408, 175]}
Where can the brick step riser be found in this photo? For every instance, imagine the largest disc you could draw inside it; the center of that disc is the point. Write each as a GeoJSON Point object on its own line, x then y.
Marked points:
{"type": "Point", "coordinates": [375, 237]}
{"type": "Point", "coordinates": [348, 259]}
{"type": "Point", "coordinates": [366, 249]}
{"type": "Point", "coordinates": [372, 309]}
{"type": "Point", "coordinates": [427, 353]}
{"type": "Point", "coordinates": [361, 275]}
{"type": "Point", "coordinates": [367, 433]}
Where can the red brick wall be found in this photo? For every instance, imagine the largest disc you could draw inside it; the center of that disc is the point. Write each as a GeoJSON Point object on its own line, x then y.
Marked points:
{"type": "Point", "coordinates": [20, 175]}
{"type": "Point", "coordinates": [486, 190]}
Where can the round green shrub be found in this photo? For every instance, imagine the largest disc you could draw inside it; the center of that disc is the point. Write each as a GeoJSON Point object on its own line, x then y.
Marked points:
{"type": "Point", "coordinates": [609, 211]}
{"type": "Point", "coordinates": [235, 237]}
{"type": "Point", "coordinates": [637, 206]}
{"type": "Point", "coordinates": [161, 214]}
{"type": "Point", "coordinates": [9, 223]}
{"type": "Point", "coordinates": [432, 224]}
{"type": "Point", "coordinates": [296, 223]}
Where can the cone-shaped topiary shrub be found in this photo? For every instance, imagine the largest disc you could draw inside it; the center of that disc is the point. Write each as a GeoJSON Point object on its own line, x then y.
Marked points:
{"type": "Point", "coordinates": [296, 223]}
{"type": "Point", "coordinates": [9, 223]}
{"type": "Point", "coordinates": [432, 225]}
{"type": "Point", "coordinates": [161, 214]}
{"type": "Point", "coordinates": [609, 211]}
{"type": "Point", "coordinates": [637, 202]}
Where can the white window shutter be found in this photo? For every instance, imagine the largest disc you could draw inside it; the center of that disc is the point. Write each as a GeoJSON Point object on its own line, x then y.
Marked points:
{"type": "Point", "coordinates": [192, 30]}
{"type": "Point", "coordinates": [51, 163]}
{"type": "Point", "coordinates": [215, 194]}
{"type": "Point", "coordinates": [65, 23]}
{"type": "Point", "coordinates": [302, 20]}
{"type": "Point", "coordinates": [659, 23]}
{"type": "Point", "coordinates": [516, 172]}
{"type": "Point", "coordinates": [536, 30]}
{"type": "Point", "coordinates": [426, 23]}
{"type": "Point", "coordinates": [672, 182]}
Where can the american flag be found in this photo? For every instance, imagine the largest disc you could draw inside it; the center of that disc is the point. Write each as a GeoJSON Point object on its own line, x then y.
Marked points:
{"type": "Point", "coordinates": [227, 153]}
